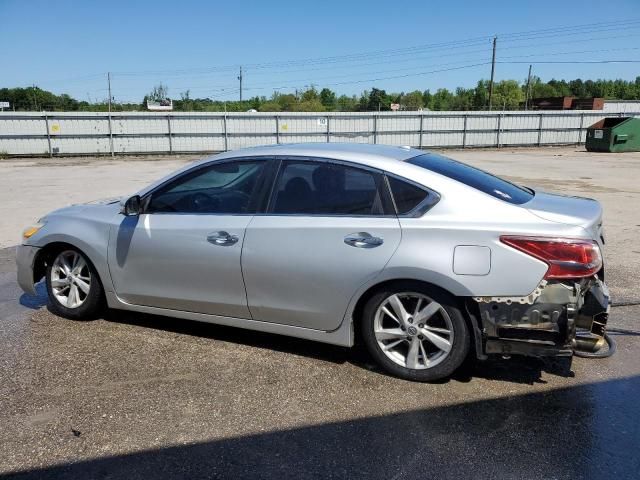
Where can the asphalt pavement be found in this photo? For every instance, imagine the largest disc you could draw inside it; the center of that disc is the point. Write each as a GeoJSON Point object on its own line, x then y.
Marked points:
{"type": "Point", "coordinates": [133, 396]}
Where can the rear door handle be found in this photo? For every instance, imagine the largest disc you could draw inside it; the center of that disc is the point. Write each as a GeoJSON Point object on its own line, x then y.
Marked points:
{"type": "Point", "coordinates": [222, 238]}
{"type": "Point", "coordinates": [363, 240]}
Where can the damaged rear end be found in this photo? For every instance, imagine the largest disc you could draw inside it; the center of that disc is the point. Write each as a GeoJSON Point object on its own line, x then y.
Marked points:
{"type": "Point", "coordinates": [569, 309]}
{"type": "Point", "coordinates": [559, 317]}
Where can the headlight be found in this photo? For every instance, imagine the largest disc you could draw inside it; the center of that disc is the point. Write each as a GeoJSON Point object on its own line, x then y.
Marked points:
{"type": "Point", "coordinates": [31, 230]}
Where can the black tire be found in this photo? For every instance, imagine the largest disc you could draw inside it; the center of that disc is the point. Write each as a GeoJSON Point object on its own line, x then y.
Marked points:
{"type": "Point", "coordinates": [92, 303]}
{"type": "Point", "coordinates": [461, 338]}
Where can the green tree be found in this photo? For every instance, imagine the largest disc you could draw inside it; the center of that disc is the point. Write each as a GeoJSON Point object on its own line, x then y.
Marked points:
{"type": "Point", "coordinates": [427, 99]}
{"type": "Point", "coordinates": [345, 103]}
{"type": "Point", "coordinates": [481, 95]}
{"type": "Point", "coordinates": [286, 101]}
{"type": "Point", "coordinates": [378, 100]}
{"type": "Point", "coordinates": [413, 100]}
{"type": "Point", "coordinates": [270, 107]}
{"type": "Point", "coordinates": [313, 105]}
{"type": "Point", "coordinates": [328, 98]}
{"type": "Point", "coordinates": [442, 100]}
{"type": "Point", "coordinates": [507, 95]}
{"type": "Point", "coordinates": [463, 99]}
{"type": "Point", "coordinates": [310, 94]}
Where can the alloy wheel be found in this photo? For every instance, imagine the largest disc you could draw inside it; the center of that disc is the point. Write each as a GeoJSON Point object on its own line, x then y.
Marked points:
{"type": "Point", "coordinates": [70, 279]}
{"type": "Point", "coordinates": [413, 330]}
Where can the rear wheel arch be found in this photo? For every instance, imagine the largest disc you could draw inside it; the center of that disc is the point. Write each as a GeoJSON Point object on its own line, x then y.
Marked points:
{"type": "Point", "coordinates": [461, 302]}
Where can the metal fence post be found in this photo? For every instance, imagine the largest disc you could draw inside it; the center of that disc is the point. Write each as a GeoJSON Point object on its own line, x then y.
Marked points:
{"type": "Point", "coordinates": [540, 130]}
{"type": "Point", "coordinates": [375, 129]}
{"type": "Point", "coordinates": [421, 128]}
{"type": "Point", "coordinates": [498, 130]}
{"type": "Point", "coordinates": [277, 129]}
{"type": "Point", "coordinates": [328, 130]}
{"type": "Point", "coordinates": [580, 129]}
{"type": "Point", "coordinates": [46, 124]}
{"type": "Point", "coordinates": [464, 131]}
{"type": "Point", "coordinates": [169, 129]}
{"type": "Point", "coordinates": [226, 139]}
{"type": "Point", "coordinates": [110, 134]}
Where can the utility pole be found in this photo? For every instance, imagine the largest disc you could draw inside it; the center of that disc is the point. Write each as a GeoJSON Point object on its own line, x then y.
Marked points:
{"type": "Point", "coordinates": [240, 78]}
{"type": "Point", "coordinates": [109, 88]}
{"type": "Point", "coordinates": [35, 99]}
{"type": "Point", "coordinates": [493, 69]}
{"type": "Point", "coordinates": [109, 116]}
{"type": "Point", "coordinates": [526, 98]}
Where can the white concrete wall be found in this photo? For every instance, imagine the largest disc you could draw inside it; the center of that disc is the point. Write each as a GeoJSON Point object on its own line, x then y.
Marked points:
{"type": "Point", "coordinates": [75, 133]}
{"type": "Point", "coordinates": [621, 106]}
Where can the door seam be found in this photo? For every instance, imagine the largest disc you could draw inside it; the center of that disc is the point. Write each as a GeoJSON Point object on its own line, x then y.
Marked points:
{"type": "Point", "coordinates": [244, 284]}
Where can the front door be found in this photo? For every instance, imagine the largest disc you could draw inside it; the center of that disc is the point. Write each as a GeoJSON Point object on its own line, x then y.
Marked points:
{"type": "Point", "coordinates": [183, 253]}
{"type": "Point", "coordinates": [328, 230]}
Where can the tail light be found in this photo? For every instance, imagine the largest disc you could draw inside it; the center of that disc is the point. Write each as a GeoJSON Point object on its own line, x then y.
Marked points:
{"type": "Point", "coordinates": [566, 257]}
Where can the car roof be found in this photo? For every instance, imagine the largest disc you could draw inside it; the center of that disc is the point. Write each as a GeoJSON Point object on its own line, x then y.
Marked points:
{"type": "Point", "coordinates": [365, 154]}
{"type": "Point", "coordinates": [382, 157]}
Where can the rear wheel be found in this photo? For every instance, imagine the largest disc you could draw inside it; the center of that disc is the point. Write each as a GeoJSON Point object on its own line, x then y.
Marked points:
{"type": "Point", "coordinates": [415, 333]}
{"type": "Point", "coordinates": [73, 286]}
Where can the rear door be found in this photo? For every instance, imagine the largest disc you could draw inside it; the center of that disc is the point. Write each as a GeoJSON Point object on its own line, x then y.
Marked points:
{"type": "Point", "coordinates": [183, 253]}
{"type": "Point", "coordinates": [329, 228]}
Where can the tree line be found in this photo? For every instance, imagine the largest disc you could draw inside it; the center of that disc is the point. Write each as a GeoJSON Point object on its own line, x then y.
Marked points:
{"type": "Point", "coordinates": [507, 95]}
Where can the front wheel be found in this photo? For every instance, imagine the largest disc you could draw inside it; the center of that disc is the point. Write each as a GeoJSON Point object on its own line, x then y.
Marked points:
{"type": "Point", "coordinates": [73, 286]}
{"type": "Point", "coordinates": [415, 333]}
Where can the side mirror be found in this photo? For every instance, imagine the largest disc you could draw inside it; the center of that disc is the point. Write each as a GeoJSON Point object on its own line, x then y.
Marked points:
{"type": "Point", "coordinates": [131, 206]}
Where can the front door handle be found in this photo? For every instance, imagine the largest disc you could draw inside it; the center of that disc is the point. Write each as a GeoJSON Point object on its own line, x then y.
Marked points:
{"type": "Point", "coordinates": [363, 240]}
{"type": "Point", "coordinates": [222, 238]}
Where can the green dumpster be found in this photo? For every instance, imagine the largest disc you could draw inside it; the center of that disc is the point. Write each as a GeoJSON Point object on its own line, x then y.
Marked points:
{"type": "Point", "coordinates": [614, 134]}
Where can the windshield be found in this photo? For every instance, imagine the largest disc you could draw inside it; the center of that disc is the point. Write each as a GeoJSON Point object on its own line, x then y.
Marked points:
{"type": "Point", "coordinates": [474, 177]}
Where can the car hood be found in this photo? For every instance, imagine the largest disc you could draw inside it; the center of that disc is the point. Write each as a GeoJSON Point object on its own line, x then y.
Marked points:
{"type": "Point", "coordinates": [104, 201]}
{"type": "Point", "coordinates": [101, 206]}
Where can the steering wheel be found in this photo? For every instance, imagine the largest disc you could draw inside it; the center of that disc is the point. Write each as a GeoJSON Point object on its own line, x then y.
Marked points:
{"type": "Point", "coordinates": [202, 202]}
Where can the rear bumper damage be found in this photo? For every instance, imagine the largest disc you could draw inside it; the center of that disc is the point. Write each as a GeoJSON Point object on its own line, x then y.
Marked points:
{"type": "Point", "coordinates": [558, 318]}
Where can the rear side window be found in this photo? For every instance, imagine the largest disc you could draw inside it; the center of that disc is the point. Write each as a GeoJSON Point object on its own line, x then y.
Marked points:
{"type": "Point", "coordinates": [405, 195]}
{"type": "Point", "coordinates": [474, 177]}
{"type": "Point", "coordinates": [320, 188]}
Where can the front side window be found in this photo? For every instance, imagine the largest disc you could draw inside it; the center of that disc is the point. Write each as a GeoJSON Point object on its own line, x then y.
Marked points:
{"type": "Point", "coordinates": [224, 188]}
{"type": "Point", "coordinates": [473, 177]}
{"type": "Point", "coordinates": [319, 188]}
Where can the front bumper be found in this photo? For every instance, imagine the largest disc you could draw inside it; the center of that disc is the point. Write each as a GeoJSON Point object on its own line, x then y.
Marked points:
{"type": "Point", "coordinates": [555, 320]}
{"type": "Point", "coordinates": [25, 260]}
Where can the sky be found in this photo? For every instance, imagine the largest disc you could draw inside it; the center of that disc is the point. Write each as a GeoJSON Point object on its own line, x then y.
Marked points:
{"type": "Point", "coordinates": [349, 46]}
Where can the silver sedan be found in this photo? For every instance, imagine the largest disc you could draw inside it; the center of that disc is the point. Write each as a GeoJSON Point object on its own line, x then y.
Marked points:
{"type": "Point", "coordinates": [423, 259]}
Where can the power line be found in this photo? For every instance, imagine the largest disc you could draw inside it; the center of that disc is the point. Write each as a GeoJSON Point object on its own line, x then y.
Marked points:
{"type": "Point", "coordinates": [513, 37]}
{"type": "Point", "coordinates": [350, 82]}
{"type": "Point", "coordinates": [571, 62]}
{"type": "Point", "coordinates": [458, 47]}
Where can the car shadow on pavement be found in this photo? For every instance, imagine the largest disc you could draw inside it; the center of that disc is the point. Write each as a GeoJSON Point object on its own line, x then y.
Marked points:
{"type": "Point", "coordinates": [584, 431]}
{"type": "Point", "coordinates": [281, 343]}
{"type": "Point", "coordinates": [516, 369]}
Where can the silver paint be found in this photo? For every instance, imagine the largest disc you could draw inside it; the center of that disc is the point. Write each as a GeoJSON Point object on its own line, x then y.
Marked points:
{"type": "Point", "coordinates": [295, 275]}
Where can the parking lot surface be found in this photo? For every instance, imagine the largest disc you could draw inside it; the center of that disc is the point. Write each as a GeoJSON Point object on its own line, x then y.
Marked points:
{"type": "Point", "coordinates": [139, 396]}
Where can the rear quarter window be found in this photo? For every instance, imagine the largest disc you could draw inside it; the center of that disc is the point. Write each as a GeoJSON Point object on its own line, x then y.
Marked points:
{"type": "Point", "coordinates": [405, 195]}
{"type": "Point", "coordinates": [473, 177]}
